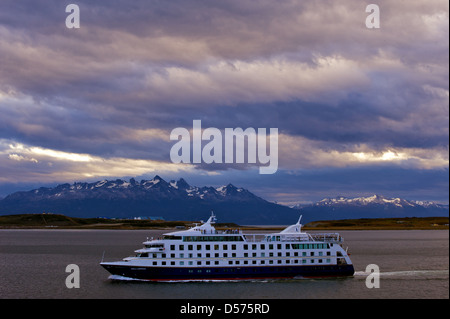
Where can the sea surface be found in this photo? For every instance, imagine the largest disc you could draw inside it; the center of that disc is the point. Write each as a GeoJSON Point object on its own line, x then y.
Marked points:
{"type": "Point", "coordinates": [412, 264]}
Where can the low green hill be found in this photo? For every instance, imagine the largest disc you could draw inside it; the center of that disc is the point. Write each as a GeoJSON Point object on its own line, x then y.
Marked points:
{"type": "Point", "coordinates": [381, 223]}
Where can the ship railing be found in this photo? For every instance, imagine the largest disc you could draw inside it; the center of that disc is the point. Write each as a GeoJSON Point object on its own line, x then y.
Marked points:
{"type": "Point", "coordinates": [254, 238]}
{"type": "Point", "coordinates": [327, 237]}
{"type": "Point", "coordinates": [220, 232]}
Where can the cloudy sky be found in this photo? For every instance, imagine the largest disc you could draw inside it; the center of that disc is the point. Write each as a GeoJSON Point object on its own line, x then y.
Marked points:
{"type": "Point", "coordinates": [359, 111]}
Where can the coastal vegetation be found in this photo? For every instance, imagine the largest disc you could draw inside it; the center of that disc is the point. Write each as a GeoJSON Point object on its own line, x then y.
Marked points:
{"type": "Point", "coordinates": [48, 220]}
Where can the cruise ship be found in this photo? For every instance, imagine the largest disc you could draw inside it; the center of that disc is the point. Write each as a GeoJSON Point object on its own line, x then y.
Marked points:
{"type": "Point", "coordinates": [204, 253]}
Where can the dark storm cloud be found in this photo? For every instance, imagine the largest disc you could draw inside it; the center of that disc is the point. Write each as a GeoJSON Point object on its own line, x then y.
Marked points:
{"type": "Point", "coordinates": [340, 94]}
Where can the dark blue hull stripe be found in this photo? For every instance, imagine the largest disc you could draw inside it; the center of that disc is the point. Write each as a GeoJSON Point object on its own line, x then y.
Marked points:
{"type": "Point", "coordinates": [200, 273]}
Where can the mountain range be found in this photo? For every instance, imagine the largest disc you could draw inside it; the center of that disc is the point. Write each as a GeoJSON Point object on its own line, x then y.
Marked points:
{"type": "Point", "coordinates": [376, 206]}
{"type": "Point", "coordinates": [174, 200]}
{"type": "Point", "coordinates": [177, 200]}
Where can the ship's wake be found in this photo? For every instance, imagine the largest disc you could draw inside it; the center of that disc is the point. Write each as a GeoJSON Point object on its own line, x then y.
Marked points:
{"type": "Point", "coordinates": [411, 274]}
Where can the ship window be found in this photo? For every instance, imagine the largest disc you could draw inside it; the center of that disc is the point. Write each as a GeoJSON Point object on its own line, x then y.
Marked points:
{"type": "Point", "coordinates": [245, 247]}
{"type": "Point", "coordinates": [199, 262]}
{"type": "Point", "coordinates": [216, 247]}
{"type": "Point", "coordinates": [216, 255]}
{"type": "Point", "coordinates": [172, 247]}
{"type": "Point", "coordinates": [225, 255]}
{"type": "Point", "coordinates": [199, 255]}
{"type": "Point", "coordinates": [263, 246]}
{"type": "Point", "coordinates": [233, 247]}
{"type": "Point", "coordinates": [328, 260]}
{"type": "Point", "coordinates": [279, 246]}
{"type": "Point", "coordinates": [262, 262]}
{"type": "Point", "coordinates": [207, 247]}
{"type": "Point", "coordinates": [245, 254]}
{"type": "Point", "coordinates": [171, 237]}
{"type": "Point", "coordinates": [254, 246]}
{"type": "Point", "coordinates": [181, 263]}
{"type": "Point", "coordinates": [270, 246]}
{"type": "Point", "coordinates": [190, 247]}
{"type": "Point", "coordinates": [225, 247]}
{"type": "Point", "coordinates": [199, 247]}
{"type": "Point", "coordinates": [287, 246]}
{"type": "Point", "coordinates": [172, 255]}
{"type": "Point", "coordinates": [253, 254]}
{"type": "Point", "coordinates": [155, 263]}
{"type": "Point", "coordinates": [181, 247]}
{"type": "Point", "coordinates": [230, 262]}
{"type": "Point", "coordinates": [172, 263]}
{"type": "Point", "coordinates": [216, 262]}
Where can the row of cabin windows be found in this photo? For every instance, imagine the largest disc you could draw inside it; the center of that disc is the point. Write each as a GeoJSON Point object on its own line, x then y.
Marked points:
{"type": "Point", "coordinates": [253, 246]}
{"type": "Point", "coordinates": [213, 238]}
{"type": "Point", "coordinates": [225, 255]}
{"type": "Point", "coordinates": [244, 262]}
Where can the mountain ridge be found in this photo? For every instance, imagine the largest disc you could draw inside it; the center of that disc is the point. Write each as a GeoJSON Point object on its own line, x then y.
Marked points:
{"type": "Point", "coordinates": [173, 200]}
{"type": "Point", "coordinates": [177, 200]}
{"type": "Point", "coordinates": [368, 200]}
{"type": "Point", "coordinates": [375, 206]}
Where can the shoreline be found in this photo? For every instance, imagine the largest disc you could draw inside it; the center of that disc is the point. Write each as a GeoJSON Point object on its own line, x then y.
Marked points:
{"type": "Point", "coordinates": [56, 221]}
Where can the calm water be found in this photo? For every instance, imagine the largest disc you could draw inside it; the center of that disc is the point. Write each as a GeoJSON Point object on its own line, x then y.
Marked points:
{"type": "Point", "coordinates": [413, 264]}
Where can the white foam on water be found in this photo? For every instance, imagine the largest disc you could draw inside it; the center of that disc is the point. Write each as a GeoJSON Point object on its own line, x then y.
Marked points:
{"type": "Point", "coordinates": [117, 277]}
{"type": "Point", "coordinates": [403, 273]}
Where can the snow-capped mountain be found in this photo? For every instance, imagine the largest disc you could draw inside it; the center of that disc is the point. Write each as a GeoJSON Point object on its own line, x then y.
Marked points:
{"type": "Point", "coordinates": [173, 200]}
{"type": "Point", "coordinates": [155, 188]}
{"type": "Point", "coordinates": [375, 199]}
{"type": "Point", "coordinates": [376, 206]}
{"type": "Point", "coordinates": [177, 200]}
